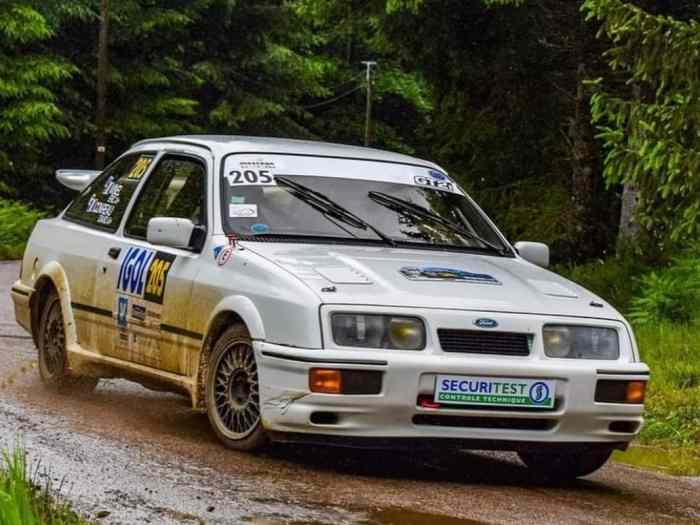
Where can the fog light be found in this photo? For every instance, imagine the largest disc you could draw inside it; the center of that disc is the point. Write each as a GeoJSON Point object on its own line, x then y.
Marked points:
{"type": "Point", "coordinates": [636, 392]}
{"type": "Point", "coordinates": [325, 381]}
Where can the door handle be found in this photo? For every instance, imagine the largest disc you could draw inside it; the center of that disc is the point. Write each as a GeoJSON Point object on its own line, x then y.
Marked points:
{"type": "Point", "coordinates": [114, 252]}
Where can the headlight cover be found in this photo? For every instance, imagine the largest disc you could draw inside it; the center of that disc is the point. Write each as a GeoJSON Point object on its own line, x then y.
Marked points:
{"type": "Point", "coordinates": [580, 342]}
{"type": "Point", "coordinates": [394, 332]}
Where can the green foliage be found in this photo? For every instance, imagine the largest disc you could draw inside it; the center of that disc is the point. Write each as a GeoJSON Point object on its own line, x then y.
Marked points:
{"type": "Point", "coordinates": [16, 223]}
{"type": "Point", "coordinates": [651, 127]}
{"type": "Point", "coordinates": [614, 279]}
{"type": "Point", "coordinates": [672, 295]}
{"type": "Point", "coordinates": [22, 502]}
{"type": "Point", "coordinates": [29, 113]}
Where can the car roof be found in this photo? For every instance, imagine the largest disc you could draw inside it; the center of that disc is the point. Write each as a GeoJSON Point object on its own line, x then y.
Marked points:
{"type": "Point", "coordinates": [223, 144]}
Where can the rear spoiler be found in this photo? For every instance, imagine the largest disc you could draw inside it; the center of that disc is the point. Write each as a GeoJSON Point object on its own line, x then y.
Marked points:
{"type": "Point", "coordinates": [76, 180]}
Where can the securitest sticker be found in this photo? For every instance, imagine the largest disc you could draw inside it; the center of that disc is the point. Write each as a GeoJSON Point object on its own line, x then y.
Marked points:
{"type": "Point", "coordinates": [501, 391]}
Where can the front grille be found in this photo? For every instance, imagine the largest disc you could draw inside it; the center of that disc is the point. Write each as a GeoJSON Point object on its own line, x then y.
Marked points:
{"type": "Point", "coordinates": [496, 423]}
{"type": "Point", "coordinates": [482, 342]}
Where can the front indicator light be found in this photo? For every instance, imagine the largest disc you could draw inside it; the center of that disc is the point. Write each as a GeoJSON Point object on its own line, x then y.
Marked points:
{"type": "Point", "coordinates": [325, 381]}
{"type": "Point", "coordinates": [636, 392]}
{"type": "Point", "coordinates": [347, 382]}
{"type": "Point", "coordinates": [620, 391]}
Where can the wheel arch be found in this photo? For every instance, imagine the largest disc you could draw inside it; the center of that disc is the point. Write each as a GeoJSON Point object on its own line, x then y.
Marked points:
{"type": "Point", "coordinates": [230, 310]}
{"type": "Point", "coordinates": [52, 277]}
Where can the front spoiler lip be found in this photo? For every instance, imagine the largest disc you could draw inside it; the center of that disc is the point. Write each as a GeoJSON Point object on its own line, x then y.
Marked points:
{"type": "Point", "coordinates": [436, 444]}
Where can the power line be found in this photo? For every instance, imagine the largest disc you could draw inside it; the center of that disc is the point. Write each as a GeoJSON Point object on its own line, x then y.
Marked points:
{"type": "Point", "coordinates": [331, 100]}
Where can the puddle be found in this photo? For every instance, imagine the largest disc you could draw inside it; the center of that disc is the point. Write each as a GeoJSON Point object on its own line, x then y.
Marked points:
{"type": "Point", "coordinates": [677, 461]}
{"type": "Point", "coordinates": [407, 517]}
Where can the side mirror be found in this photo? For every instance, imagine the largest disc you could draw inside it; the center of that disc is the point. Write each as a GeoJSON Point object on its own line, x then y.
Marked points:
{"type": "Point", "coordinates": [176, 233]}
{"type": "Point", "coordinates": [534, 252]}
{"type": "Point", "coordinates": [76, 180]}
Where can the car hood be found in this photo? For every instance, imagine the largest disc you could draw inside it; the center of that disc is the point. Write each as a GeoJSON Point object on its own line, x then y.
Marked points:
{"type": "Point", "coordinates": [384, 276]}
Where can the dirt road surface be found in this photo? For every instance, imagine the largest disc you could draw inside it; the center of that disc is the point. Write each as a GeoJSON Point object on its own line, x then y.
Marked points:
{"type": "Point", "coordinates": [130, 455]}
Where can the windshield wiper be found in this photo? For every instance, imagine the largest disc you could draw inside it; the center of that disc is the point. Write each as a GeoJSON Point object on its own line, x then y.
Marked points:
{"type": "Point", "coordinates": [330, 208]}
{"type": "Point", "coordinates": [400, 205]}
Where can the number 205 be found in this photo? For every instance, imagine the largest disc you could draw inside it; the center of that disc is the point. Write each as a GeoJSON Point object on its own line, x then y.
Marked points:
{"type": "Point", "coordinates": [236, 178]}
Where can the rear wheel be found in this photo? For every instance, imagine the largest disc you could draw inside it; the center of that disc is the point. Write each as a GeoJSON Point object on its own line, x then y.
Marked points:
{"type": "Point", "coordinates": [562, 466]}
{"type": "Point", "coordinates": [233, 399]}
{"type": "Point", "coordinates": [53, 358]}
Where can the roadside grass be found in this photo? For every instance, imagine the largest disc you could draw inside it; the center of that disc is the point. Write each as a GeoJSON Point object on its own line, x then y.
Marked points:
{"type": "Point", "coordinates": [673, 399]}
{"type": "Point", "coordinates": [22, 502]}
{"type": "Point", "coordinates": [16, 223]}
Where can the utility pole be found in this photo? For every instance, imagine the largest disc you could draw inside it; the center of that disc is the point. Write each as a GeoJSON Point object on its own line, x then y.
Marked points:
{"type": "Point", "coordinates": [102, 78]}
{"type": "Point", "coordinates": [369, 64]}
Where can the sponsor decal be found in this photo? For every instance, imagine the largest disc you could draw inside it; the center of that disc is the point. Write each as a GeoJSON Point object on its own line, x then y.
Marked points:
{"type": "Point", "coordinates": [243, 210]}
{"type": "Point", "coordinates": [430, 273]}
{"type": "Point", "coordinates": [468, 390]}
{"type": "Point", "coordinates": [138, 312]}
{"type": "Point", "coordinates": [122, 311]}
{"type": "Point", "coordinates": [124, 340]}
{"type": "Point", "coordinates": [144, 273]}
{"type": "Point", "coordinates": [259, 228]}
{"type": "Point", "coordinates": [132, 271]}
{"type": "Point", "coordinates": [435, 180]}
{"type": "Point", "coordinates": [225, 255]}
{"type": "Point", "coordinates": [486, 323]}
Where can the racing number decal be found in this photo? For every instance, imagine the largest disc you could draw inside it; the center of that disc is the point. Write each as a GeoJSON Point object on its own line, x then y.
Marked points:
{"type": "Point", "coordinates": [257, 177]}
{"type": "Point", "coordinates": [140, 167]}
{"type": "Point", "coordinates": [157, 277]}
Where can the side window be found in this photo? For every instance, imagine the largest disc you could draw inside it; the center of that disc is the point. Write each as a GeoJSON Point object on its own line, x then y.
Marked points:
{"type": "Point", "coordinates": [102, 204]}
{"type": "Point", "coordinates": [176, 188]}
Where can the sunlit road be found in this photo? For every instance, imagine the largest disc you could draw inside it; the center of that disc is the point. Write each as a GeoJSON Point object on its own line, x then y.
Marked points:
{"type": "Point", "coordinates": [137, 456]}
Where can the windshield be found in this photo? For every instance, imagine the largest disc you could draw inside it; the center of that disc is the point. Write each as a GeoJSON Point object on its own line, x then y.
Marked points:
{"type": "Point", "coordinates": [275, 205]}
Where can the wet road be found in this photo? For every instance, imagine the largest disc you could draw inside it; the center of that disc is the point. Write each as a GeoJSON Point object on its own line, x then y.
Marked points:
{"type": "Point", "coordinates": [144, 457]}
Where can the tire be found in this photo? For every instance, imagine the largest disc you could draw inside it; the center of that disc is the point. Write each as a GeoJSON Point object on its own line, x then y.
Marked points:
{"type": "Point", "coordinates": [563, 466]}
{"type": "Point", "coordinates": [53, 359]}
{"type": "Point", "coordinates": [232, 392]}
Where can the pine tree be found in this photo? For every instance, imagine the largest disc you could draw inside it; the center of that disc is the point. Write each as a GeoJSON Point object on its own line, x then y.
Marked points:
{"type": "Point", "coordinates": [29, 74]}
{"type": "Point", "coordinates": [651, 127]}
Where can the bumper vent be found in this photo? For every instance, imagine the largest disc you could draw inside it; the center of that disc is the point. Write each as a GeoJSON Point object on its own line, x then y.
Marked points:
{"type": "Point", "coordinates": [501, 423]}
{"type": "Point", "coordinates": [482, 342]}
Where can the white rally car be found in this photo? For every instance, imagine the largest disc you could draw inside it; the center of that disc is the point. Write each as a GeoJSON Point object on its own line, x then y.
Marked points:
{"type": "Point", "coordinates": [303, 291]}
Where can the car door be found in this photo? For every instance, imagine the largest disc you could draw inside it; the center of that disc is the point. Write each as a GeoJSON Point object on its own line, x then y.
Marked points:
{"type": "Point", "coordinates": [92, 221]}
{"type": "Point", "coordinates": [153, 284]}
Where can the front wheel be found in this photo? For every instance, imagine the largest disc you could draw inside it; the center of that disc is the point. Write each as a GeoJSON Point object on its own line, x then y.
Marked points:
{"type": "Point", "coordinates": [562, 465]}
{"type": "Point", "coordinates": [233, 399]}
{"type": "Point", "coordinates": [53, 358]}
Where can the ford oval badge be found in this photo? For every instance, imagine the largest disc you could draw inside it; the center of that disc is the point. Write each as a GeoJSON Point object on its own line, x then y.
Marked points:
{"type": "Point", "coordinates": [486, 323]}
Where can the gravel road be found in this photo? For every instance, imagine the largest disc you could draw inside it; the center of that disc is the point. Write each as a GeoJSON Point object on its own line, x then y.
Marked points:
{"type": "Point", "coordinates": [130, 455]}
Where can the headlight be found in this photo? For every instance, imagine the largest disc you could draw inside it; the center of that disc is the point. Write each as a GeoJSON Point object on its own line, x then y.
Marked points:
{"type": "Point", "coordinates": [378, 331]}
{"type": "Point", "coordinates": [580, 342]}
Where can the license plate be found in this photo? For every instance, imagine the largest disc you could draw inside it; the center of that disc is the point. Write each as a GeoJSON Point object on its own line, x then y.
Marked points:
{"type": "Point", "coordinates": [494, 391]}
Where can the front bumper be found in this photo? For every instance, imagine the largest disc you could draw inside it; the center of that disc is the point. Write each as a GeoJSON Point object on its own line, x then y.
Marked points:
{"type": "Point", "coordinates": [288, 405]}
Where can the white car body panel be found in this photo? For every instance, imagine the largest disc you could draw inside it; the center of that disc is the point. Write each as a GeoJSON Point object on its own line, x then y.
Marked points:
{"type": "Point", "coordinates": [285, 294]}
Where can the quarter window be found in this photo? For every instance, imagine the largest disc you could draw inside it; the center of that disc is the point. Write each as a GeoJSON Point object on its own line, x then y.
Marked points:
{"type": "Point", "coordinates": [176, 188]}
{"type": "Point", "coordinates": [102, 204]}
